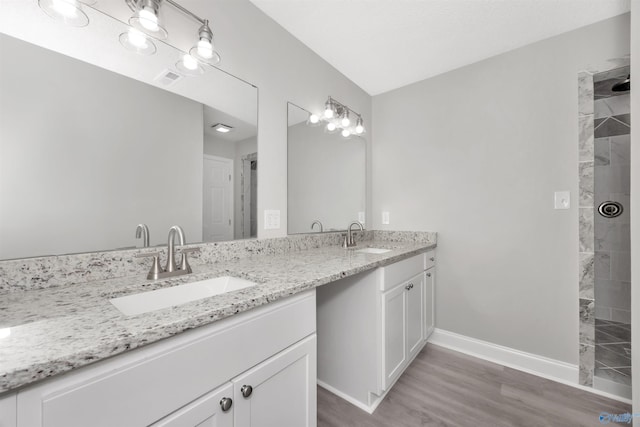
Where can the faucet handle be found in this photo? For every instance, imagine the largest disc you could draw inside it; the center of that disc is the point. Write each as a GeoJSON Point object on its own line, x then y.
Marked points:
{"type": "Point", "coordinates": [184, 264]}
{"type": "Point", "coordinates": [155, 270]}
{"type": "Point", "coordinates": [147, 255]}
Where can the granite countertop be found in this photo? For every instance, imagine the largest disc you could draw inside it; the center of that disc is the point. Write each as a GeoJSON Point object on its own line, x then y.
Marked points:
{"type": "Point", "coordinates": [46, 332]}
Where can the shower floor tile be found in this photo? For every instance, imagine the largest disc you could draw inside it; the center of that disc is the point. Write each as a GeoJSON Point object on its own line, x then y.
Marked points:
{"type": "Point", "coordinates": [613, 351]}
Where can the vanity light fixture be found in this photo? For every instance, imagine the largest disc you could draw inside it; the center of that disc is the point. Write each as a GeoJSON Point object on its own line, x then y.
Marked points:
{"type": "Point", "coordinates": [337, 117]}
{"type": "Point", "coordinates": [203, 50]}
{"type": "Point", "coordinates": [68, 11]}
{"type": "Point", "coordinates": [222, 128]}
{"type": "Point", "coordinates": [146, 18]}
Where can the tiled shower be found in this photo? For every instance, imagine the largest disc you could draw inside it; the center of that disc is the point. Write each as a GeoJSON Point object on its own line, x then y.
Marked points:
{"type": "Point", "coordinates": [612, 260]}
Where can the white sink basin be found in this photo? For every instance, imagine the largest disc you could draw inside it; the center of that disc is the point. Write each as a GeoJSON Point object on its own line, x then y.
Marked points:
{"type": "Point", "coordinates": [373, 251]}
{"type": "Point", "coordinates": [176, 295]}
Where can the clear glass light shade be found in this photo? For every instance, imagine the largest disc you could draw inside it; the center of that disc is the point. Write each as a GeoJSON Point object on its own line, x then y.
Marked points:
{"type": "Point", "coordinates": [203, 51]}
{"type": "Point", "coordinates": [190, 66]}
{"type": "Point", "coordinates": [146, 18]}
{"type": "Point", "coordinates": [68, 11]}
{"type": "Point", "coordinates": [346, 133]}
{"type": "Point", "coordinates": [359, 126]}
{"type": "Point", "coordinates": [138, 42]}
{"type": "Point", "coordinates": [331, 127]}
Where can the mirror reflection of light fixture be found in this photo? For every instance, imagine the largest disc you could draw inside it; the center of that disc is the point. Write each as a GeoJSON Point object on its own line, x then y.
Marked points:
{"type": "Point", "coordinates": [189, 66]}
{"type": "Point", "coordinates": [68, 11]}
{"type": "Point", "coordinates": [138, 42]}
{"type": "Point", "coordinates": [336, 115]}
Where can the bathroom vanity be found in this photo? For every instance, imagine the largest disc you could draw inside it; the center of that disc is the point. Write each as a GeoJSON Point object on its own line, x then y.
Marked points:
{"type": "Point", "coordinates": [234, 359]}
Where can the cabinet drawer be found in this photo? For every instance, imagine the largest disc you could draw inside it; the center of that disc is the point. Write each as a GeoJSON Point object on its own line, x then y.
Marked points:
{"type": "Point", "coordinates": [393, 274]}
{"type": "Point", "coordinates": [144, 385]}
{"type": "Point", "coordinates": [429, 259]}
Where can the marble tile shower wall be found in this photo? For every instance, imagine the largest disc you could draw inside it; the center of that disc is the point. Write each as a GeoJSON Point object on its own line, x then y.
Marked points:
{"type": "Point", "coordinates": [45, 272]}
{"type": "Point", "coordinates": [612, 183]}
{"type": "Point", "coordinates": [586, 227]}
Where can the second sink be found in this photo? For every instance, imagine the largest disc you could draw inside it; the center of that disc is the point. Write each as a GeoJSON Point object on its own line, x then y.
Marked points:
{"type": "Point", "coordinates": [373, 251]}
{"type": "Point", "coordinates": [145, 302]}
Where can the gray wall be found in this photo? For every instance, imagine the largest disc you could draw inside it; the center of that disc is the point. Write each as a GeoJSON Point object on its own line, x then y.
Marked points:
{"type": "Point", "coordinates": [635, 206]}
{"type": "Point", "coordinates": [60, 147]}
{"type": "Point", "coordinates": [476, 155]}
{"type": "Point", "coordinates": [260, 51]}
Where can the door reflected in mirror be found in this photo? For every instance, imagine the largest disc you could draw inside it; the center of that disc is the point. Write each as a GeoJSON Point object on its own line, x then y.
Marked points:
{"type": "Point", "coordinates": [326, 176]}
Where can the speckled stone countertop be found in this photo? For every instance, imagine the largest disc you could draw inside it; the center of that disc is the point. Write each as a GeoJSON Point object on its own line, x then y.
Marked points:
{"type": "Point", "coordinates": [46, 332]}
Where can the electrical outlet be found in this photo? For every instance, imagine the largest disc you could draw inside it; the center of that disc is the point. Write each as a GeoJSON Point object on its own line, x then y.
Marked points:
{"type": "Point", "coordinates": [271, 219]}
{"type": "Point", "coordinates": [385, 218]}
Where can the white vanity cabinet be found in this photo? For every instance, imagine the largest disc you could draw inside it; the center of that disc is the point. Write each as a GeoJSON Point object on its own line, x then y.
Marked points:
{"type": "Point", "coordinates": [371, 326]}
{"type": "Point", "coordinates": [181, 381]}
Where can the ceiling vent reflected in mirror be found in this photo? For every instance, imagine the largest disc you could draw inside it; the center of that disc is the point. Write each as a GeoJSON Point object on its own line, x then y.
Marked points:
{"type": "Point", "coordinates": [168, 77]}
{"type": "Point", "coordinates": [222, 128]}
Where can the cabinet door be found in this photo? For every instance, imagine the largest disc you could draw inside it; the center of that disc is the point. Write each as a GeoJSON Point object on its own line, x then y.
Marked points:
{"type": "Point", "coordinates": [415, 314]}
{"type": "Point", "coordinates": [429, 305]}
{"type": "Point", "coordinates": [8, 410]}
{"type": "Point", "coordinates": [394, 337]}
{"type": "Point", "coordinates": [282, 390]}
{"type": "Point", "coordinates": [205, 412]}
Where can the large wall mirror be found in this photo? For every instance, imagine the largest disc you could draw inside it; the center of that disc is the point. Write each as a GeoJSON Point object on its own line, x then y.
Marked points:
{"type": "Point", "coordinates": [95, 140]}
{"type": "Point", "coordinates": [326, 176]}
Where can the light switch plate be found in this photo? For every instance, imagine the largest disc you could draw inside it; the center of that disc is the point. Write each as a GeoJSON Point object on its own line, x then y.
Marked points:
{"type": "Point", "coordinates": [562, 200]}
{"type": "Point", "coordinates": [361, 217]}
{"type": "Point", "coordinates": [385, 218]}
{"type": "Point", "coordinates": [271, 219]}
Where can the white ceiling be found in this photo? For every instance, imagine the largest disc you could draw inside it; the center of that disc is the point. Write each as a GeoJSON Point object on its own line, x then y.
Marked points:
{"type": "Point", "coordinates": [385, 44]}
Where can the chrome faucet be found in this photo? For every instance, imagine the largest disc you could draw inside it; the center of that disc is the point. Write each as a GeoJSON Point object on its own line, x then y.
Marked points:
{"type": "Point", "coordinates": [143, 231]}
{"type": "Point", "coordinates": [317, 221]}
{"type": "Point", "coordinates": [172, 268]}
{"type": "Point", "coordinates": [349, 240]}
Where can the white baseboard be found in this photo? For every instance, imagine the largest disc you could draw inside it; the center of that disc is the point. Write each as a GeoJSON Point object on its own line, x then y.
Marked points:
{"type": "Point", "coordinates": [354, 402]}
{"type": "Point", "coordinates": [551, 369]}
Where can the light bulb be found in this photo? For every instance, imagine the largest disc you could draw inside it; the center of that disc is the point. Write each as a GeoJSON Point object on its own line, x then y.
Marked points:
{"type": "Point", "coordinates": [346, 133]}
{"type": "Point", "coordinates": [148, 19]}
{"type": "Point", "coordinates": [328, 109]}
{"type": "Point", "coordinates": [66, 8]}
{"type": "Point", "coordinates": [313, 119]}
{"type": "Point", "coordinates": [205, 49]}
{"type": "Point", "coordinates": [137, 38]}
{"type": "Point", "coordinates": [189, 62]}
{"type": "Point", "coordinates": [359, 129]}
{"type": "Point", "coordinates": [345, 121]}
{"type": "Point", "coordinates": [331, 127]}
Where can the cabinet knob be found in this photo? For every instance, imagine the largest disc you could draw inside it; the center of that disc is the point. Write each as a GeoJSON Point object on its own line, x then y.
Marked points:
{"type": "Point", "coordinates": [226, 403]}
{"type": "Point", "coordinates": [246, 390]}
{"type": "Point", "coordinates": [409, 286]}
{"type": "Point", "coordinates": [428, 274]}
{"type": "Point", "coordinates": [432, 258]}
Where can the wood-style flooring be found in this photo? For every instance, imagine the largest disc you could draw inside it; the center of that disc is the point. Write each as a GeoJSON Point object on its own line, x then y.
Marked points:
{"type": "Point", "coordinates": [446, 388]}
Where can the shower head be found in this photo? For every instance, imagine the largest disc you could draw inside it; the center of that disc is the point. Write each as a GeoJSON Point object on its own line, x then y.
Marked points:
{"type": "Point", "coordinates": [622, 86]}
